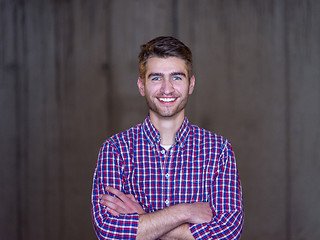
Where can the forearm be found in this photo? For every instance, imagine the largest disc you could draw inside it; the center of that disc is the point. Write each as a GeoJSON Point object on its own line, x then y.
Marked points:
{"type": "Point", "coordinates": [179, 233]}
{"type": "Point", "coordinates": [157, 224]}
{"type": "Point", "coordinates": [168, 223]}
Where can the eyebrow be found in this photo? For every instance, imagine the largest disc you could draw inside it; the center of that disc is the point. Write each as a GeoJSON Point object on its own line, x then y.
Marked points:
{"type": "Point", "coordinates": [157, 74]}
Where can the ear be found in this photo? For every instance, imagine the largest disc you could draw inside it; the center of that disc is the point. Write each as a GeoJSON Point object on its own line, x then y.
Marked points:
{"type": "Point", "coordinates": [191, 84]}
{"type": "Point", "coordinates": [140, 84]}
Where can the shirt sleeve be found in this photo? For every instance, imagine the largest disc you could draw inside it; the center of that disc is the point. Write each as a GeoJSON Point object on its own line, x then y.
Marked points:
{"type": "Point", "coordinates": [225, 200]}
{"type": "Point", "coordinates": [108, 173]}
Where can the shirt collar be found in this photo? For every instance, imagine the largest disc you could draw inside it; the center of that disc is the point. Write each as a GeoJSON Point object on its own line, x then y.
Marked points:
{"type": "Point", "coordinates": [153, 135]}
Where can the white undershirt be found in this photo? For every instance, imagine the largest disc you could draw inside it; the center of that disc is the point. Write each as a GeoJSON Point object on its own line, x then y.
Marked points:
{"type": "Point", "coordinates": [166, 147]}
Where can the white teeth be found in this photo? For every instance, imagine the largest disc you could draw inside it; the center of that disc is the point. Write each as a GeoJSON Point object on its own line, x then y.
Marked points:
{"type": "Point", "coordinates": [167, 99]}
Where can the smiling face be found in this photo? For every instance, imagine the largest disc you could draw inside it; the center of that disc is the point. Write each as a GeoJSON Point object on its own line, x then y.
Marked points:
{"type": "Point", "coordinates": [166, 87]}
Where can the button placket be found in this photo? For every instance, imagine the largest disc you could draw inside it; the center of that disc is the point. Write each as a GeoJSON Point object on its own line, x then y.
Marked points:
{"type": "Point", "coordinates": [168, 177]}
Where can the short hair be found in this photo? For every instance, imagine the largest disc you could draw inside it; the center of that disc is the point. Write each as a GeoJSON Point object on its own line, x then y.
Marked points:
{"type": "Point", "coordinates": [163, 47]}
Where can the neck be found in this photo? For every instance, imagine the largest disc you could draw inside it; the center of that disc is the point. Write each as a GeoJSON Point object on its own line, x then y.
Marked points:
{"type": "Point", "coordinates": [167, 126]}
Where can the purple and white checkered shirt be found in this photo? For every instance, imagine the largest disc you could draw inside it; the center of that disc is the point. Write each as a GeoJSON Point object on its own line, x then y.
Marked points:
{"type": "Point", "coordinates": [199, 167]}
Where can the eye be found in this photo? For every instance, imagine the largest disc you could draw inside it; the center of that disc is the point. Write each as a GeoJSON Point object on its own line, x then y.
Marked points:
{"type": "Point", "coordinates": [176, 78]}
{"type": "Point", "coordinates": [156, 79]}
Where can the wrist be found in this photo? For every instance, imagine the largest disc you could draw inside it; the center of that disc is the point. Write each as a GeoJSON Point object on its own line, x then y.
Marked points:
{"type": "Point", "coordinates": [188, 213]}
{"type": "Point", "coordinates": [182, 212]}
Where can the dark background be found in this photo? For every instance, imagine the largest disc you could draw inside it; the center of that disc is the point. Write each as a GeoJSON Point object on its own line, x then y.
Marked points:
{"type": "Point", "coordinates": [68, 81]}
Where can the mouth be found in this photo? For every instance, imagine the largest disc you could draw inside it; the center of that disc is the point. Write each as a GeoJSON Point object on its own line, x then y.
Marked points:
{"type": "Point", "coordinates": [167, 99]}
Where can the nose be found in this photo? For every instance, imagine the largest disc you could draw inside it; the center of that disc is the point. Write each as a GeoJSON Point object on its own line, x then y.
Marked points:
{"type": "Point", "coordinates": [167, 87]}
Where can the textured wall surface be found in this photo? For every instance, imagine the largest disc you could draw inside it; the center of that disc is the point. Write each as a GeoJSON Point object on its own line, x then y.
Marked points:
{"type": "Point", "coordinates": [68, 72]}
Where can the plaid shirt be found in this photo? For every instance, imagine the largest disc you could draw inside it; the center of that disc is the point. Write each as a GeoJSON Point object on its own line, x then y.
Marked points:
{"type": "Point", "coordinates": [199, 167]}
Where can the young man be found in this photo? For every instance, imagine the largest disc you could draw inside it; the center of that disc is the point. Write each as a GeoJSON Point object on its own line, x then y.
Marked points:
{"type": "Point", "coordinates": [166, 178]}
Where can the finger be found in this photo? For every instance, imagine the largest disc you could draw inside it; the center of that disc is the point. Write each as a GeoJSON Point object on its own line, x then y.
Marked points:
{"type": "Point", "coordinates": [113, 206]}
{"type": "Point", "coordinates": [113, 212]}
{"type": "Point", "coordinates": [102, 196]}
{"type": "Point", "coordinates": [112, 202]}
{"type": "Point", "coordinates": [108, 197]}
{"type": "Point", "coordinates": [131, 205]}
{"type": "Point", "coordinates": [131, 197]}
{"type": "Point", "coordinates": [116, 192]}
{"type": "Point", "coordinates": [123, 197]}
{"type": "Point", "coordinates": [117, 204]}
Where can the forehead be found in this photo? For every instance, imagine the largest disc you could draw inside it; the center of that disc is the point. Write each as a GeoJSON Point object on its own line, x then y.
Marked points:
{"type": "Point", "coordinates": [166, 65]}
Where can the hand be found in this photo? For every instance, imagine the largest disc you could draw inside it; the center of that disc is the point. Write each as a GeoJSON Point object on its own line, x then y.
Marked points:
{"type": "Point", "coordinates": [121, 203]}
{"type": "Point", "coordinates": [199, 212]}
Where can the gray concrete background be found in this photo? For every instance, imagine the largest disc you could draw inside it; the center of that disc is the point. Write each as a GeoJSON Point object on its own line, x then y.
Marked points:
{"type": "Point", "coordinates": [68, 81]}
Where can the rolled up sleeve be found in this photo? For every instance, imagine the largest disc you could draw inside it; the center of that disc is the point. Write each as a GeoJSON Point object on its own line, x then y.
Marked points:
{"type": "Point", "coordinates": [108, 173]}
{"type": "Point", "coordinates": [226, 201]}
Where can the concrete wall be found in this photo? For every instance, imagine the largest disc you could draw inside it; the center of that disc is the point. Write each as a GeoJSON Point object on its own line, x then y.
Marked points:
{"type": "Point", "coordinates": [68, 81]}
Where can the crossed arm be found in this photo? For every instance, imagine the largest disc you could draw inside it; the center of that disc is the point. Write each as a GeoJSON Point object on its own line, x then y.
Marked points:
{"type": "Point", "coordinates": [117, 215]}
{"type": "Point", "coordinates": [168, 223]}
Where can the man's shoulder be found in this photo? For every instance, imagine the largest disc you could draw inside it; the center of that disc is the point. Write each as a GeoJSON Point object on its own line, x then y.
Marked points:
{"type": "Point", "coordinates": [206, 134]}
{"type": "Point", "coordinates": [210, 140]}
{"type": "Point", "coordinates": [126, 136]}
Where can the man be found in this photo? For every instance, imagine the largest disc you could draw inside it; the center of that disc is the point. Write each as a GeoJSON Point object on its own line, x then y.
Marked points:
{"type": "Point", "coordinates": [166, 178]}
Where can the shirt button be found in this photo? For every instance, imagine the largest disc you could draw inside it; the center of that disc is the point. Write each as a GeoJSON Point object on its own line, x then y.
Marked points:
{"type": "Point", "coordinates": [167, 175]}
{"type": "Point", "coordinates": [167, 202]}
{"type": "Point", "coordinates": [163, 151]}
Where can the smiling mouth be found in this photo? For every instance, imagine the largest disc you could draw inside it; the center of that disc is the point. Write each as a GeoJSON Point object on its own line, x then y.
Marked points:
{"type": "Point", "coordinates": [167, 100]}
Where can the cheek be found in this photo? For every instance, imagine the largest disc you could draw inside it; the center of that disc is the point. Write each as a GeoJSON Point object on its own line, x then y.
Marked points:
{"type": "Point", "coordinates": [151, 90]}
{"type": "Point", "coordinates": [184, 90]}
